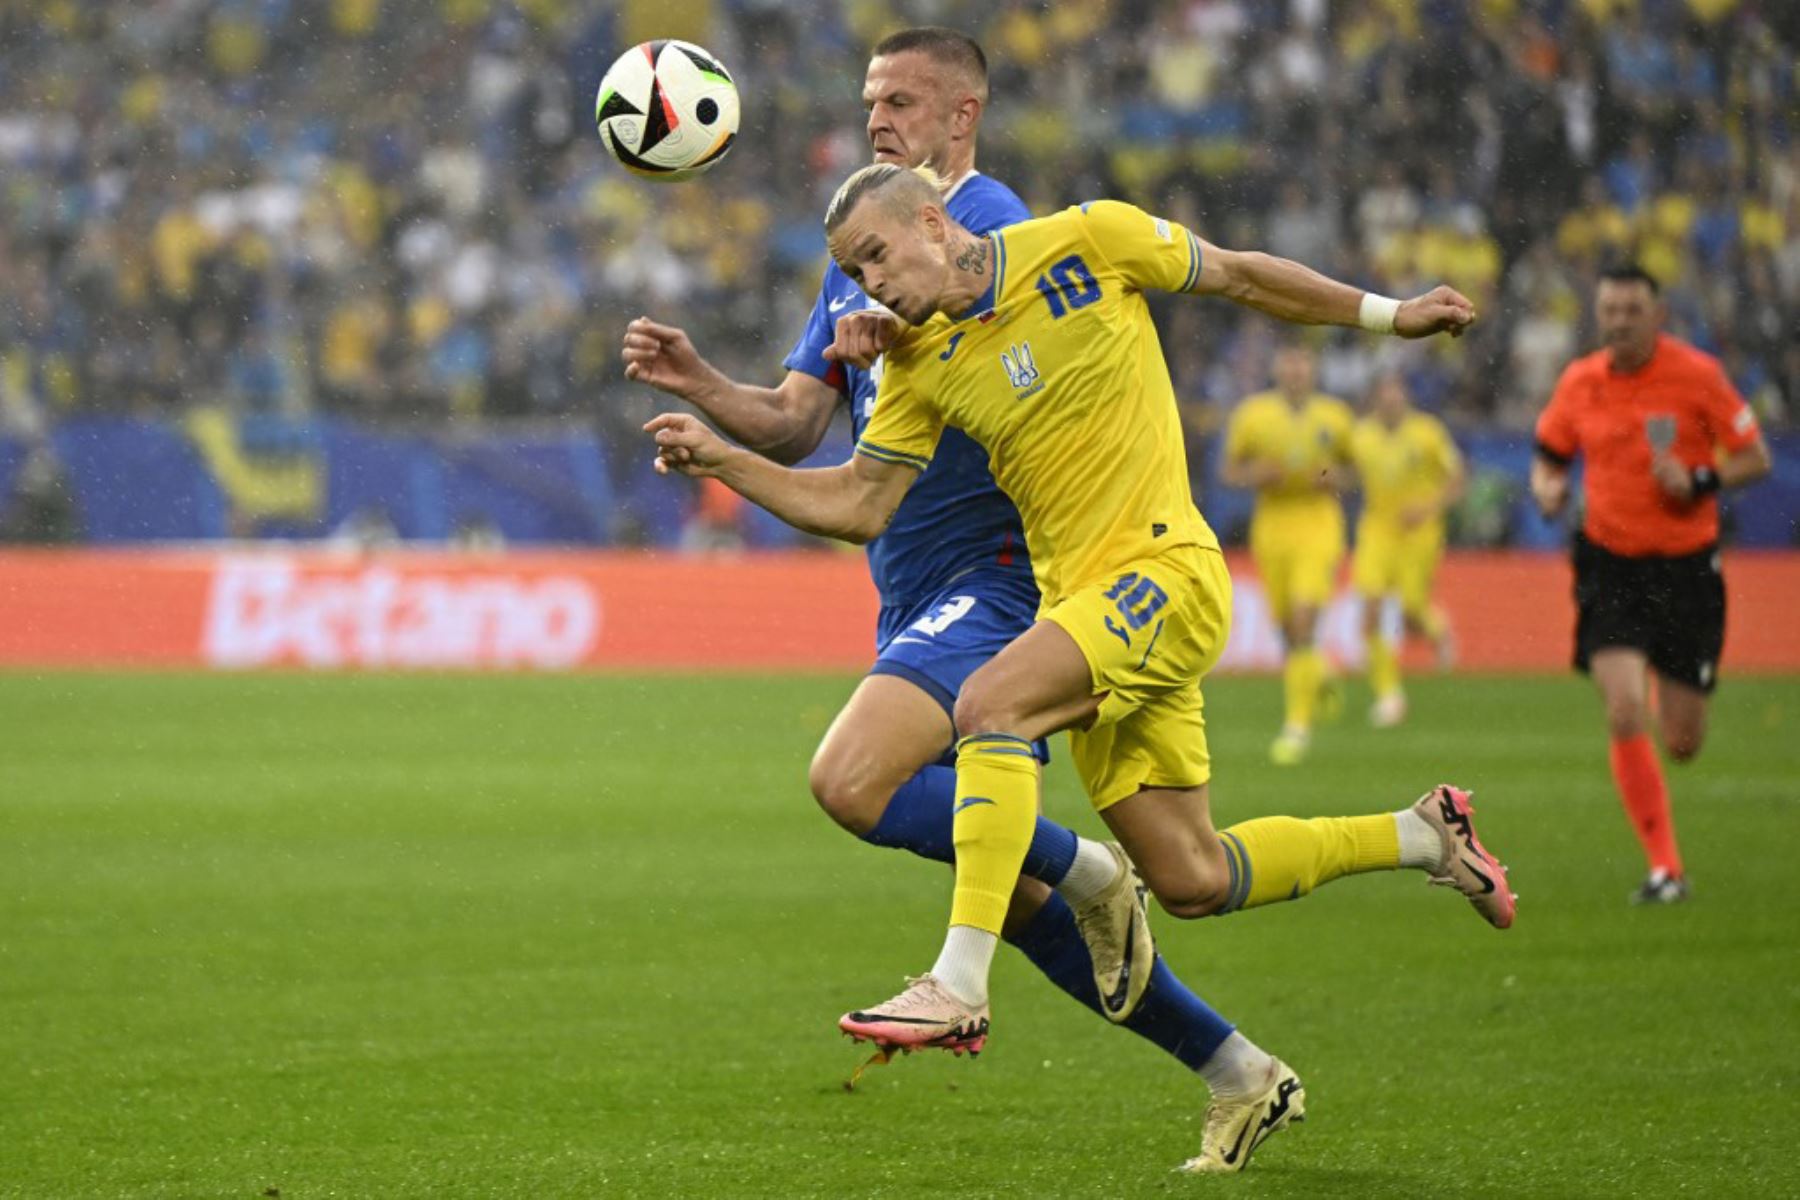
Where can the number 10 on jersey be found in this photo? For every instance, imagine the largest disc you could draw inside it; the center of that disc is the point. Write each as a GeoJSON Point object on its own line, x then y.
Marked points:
{"type": "Point", "coordinates": [1068, 285]}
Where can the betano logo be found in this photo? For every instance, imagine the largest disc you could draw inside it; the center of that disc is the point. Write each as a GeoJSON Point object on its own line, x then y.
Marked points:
{"type": "Point", "coordinates": [268, 612]}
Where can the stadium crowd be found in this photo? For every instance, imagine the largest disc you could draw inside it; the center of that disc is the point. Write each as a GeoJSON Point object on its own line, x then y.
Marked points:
{"type": "Point", "coordinates": [397, 210]}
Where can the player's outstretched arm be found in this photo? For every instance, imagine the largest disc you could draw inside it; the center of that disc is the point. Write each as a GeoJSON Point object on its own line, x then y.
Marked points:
{"type": "Point", "coordinates": [785, 423]}
{"type": "Point", "coordinates": [1293, 292]}
{"type": "Point", "coordinates": [853, 503]}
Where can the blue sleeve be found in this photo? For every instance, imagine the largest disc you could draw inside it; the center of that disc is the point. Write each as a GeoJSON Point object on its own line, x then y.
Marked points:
{"type": "Point", "coordinates": [989, 205]}
{"type": "Point", "coordinates": [808, 354]}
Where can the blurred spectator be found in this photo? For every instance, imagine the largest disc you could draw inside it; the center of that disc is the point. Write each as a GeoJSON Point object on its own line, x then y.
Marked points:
{"type": "Point", "coordinates": [366, 530]}
{"type": "Point", "coordinates": [39, 510]}
{"type": "Point", "coordinates": [476, 533]}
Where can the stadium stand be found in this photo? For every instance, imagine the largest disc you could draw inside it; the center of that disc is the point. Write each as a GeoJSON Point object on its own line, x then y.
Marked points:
{"type": "Point", "coordinates": [274, 264]}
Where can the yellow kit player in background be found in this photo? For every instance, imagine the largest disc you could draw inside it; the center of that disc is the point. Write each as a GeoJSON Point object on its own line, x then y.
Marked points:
{"type": "Point", "coordinates": [1411, 472]}
{"type": "Point", "coordinates": [1292, 446]}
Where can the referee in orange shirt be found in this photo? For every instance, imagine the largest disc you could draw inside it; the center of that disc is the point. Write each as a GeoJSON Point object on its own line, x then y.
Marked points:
{"type": "Point", "coordinates": [1662, 431]}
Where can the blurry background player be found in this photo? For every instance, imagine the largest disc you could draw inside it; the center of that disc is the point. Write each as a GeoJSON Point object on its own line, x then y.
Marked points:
{"type": "Point", "coordinates": [1411, 473]}
{"type": "Point", "coordinates": [956, 586]}
{"type": "Point", "coordinates": [1292, 446]}
{"type": "Point", "coordinates": [1661, 431]}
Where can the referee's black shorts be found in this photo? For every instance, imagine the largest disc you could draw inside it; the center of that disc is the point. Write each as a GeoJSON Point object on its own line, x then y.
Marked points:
{"type": "Point", "coordinates": [1673, 609]}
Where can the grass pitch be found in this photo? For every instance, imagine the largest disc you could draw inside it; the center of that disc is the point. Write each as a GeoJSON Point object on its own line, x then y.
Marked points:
{"type": "Point", "coordinates": [454, 936]}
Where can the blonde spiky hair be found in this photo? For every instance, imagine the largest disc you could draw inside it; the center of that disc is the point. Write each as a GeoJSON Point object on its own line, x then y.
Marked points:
{"type": "Point", "coordinates": [903, 187]}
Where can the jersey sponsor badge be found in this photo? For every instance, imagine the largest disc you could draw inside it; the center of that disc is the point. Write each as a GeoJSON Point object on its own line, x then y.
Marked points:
{"type": "Point", "coordinates": [1660, 429]}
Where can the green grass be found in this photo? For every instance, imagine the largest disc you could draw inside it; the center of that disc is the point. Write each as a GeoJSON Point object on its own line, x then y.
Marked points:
{"type": "Point", "coordinates": [528, 937]}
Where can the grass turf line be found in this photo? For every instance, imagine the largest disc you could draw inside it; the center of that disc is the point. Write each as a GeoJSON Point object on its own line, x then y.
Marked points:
{"type": "Point", "coordinates": [479, 936]}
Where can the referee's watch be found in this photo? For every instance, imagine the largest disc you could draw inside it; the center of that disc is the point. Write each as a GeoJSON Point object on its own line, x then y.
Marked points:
{"type": "Point", "coordinates": [1705, 480]}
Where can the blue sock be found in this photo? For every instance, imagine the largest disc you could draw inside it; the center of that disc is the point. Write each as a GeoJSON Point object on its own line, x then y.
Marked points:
{"type": "Point", "coordinates": [919, 818]}
{"type": "Point", "coordinates": [1169, 1014]}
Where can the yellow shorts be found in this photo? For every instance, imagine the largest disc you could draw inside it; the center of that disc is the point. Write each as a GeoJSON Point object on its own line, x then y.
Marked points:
{"type": "Point", "coordinates": [1149, 633]}
{"type": "Point", "coordinates": [1392, 561]}
{"type": "Point", "coordinates": [1297, 558]}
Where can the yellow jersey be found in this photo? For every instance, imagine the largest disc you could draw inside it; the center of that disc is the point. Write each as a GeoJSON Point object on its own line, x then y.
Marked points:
{"type": "Point", "coordinates": [1058, 374]}
{"type": "Point", "coordinates": [1408, 464]}
{"type": "Point", "coordinates": [1306, 440]}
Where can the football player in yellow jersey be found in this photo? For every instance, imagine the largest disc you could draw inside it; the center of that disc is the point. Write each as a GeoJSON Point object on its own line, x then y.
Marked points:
{"type": "Point", "coordinates": [1411, 472]}
{"type": "Point", "coordinates": [1292, 445]}
{"type": "Point", "coordinates": [1037, 341]}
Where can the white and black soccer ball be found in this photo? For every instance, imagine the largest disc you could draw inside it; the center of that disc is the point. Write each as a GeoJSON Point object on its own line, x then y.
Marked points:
{"type": "Point", "coordinates": [667, 110]}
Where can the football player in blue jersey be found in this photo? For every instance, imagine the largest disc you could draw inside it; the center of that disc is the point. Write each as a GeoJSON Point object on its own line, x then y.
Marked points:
{"type": "Point", "coordinates": [956, 587]}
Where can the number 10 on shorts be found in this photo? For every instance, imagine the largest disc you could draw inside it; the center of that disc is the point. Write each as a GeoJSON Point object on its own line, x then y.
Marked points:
{"type": "Point", "coordinates": [1138, 600]}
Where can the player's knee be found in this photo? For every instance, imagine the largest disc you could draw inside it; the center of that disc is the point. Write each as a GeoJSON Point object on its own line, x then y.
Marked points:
{"type": "Point", "coordinates": [1298, 631]}
{"type": "Point", "coordinates": [1191, 901]}
{"type": "Point", "coordinates": [1189, 893]}
{"type": "Point", "coordinates": [1189, 886]}
{"type": "Point", "coordinates": [846, 795]}
{"type": "Point", "coordinates": [978, 710]}
{"type": "Point", "coordinates": [1625, 716]}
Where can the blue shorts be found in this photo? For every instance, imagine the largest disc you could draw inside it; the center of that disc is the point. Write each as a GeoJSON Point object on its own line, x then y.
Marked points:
{"type": "Point", "coordinates": [939, 642]}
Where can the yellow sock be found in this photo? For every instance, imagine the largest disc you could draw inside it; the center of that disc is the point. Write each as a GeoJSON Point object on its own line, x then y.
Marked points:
{"type": "Point", "coordinates": [1384, 666]}
{"type": "Point", "coordinates": [1304, 675]}
{"type": "Point", "coordinates": [996, 811]}
{"type": "Point", "coordinates": [1283, 858]}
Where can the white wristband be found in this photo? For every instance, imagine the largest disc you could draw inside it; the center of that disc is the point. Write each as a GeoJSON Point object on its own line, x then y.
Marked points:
{"type": "Point", "coordinates": [1377, 313]}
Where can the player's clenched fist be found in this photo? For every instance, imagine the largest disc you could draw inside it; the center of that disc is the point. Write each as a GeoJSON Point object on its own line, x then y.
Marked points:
{"type": "Point", "coordinates": [685, 445]}
{"type": "Point", "coordinates": [862, 337]}
{"type": "Point", "coordinates": [1441, 310]}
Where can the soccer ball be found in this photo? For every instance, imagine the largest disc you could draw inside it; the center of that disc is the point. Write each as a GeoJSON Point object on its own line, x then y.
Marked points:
{"type": "Point", "coordinates": [667, 110]}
